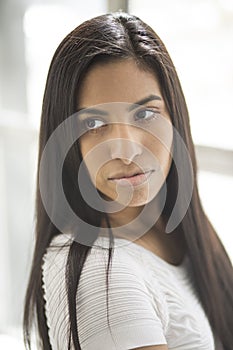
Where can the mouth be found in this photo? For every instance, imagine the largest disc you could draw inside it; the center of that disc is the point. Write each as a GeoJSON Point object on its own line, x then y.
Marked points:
{"type": "Point", "coordinates": [134, 180]}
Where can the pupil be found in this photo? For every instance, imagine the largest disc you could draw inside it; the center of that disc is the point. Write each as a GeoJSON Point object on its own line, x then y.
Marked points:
{"type": "Point", "coordinates": [141, 114]}
{"type": "Point", "coordinates": [91, 123]}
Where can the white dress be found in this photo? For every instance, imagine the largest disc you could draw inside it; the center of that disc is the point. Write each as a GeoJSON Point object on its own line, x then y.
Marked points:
{"type": "Point", "coordinates": [151, 302]}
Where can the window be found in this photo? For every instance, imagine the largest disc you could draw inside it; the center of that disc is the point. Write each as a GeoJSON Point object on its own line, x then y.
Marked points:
{"type": "Point", "coordinates": [198, 35]}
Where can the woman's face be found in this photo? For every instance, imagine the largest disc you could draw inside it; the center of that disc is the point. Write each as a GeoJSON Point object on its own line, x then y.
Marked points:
{"type": "Point", "coordinates": [127, 139]}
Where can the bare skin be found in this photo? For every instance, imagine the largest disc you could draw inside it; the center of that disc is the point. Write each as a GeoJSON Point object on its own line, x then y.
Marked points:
{"type": "Point", "coordinates": [125, 82]}
{"type": "Point", "coordinates": [154, 347]}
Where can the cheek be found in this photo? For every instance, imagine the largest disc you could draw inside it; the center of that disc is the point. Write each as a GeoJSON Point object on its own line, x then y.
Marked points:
{"type": "Point", "coordinates": [84, 146]}
{"type": "Point", "coordinates": [160, 152]}
{"type": "Point", "coordinates": [93, 160]}
{"type": "Point", "coordinates": [84, 150]}
{"type": "Point", "coordinates": [161, 140]}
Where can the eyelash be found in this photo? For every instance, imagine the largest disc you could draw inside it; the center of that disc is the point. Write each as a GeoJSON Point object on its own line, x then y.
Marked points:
{"type": "Point", "coordinates": [153, 116]}
{"type": "Point", "coordinates": [95, 130]}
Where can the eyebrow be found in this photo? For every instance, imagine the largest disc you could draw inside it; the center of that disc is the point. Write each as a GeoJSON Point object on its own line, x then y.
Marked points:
{"type": "Point", "coordinates": [133, 106]}
{"type": "Point", "coordinates": [144, 100]}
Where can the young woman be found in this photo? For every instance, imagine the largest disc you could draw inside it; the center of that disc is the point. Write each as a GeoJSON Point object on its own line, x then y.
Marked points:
{"type": "Point", "coordinates": [125, 257]}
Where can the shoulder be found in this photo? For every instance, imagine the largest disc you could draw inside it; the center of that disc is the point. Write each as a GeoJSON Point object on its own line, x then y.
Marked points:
{"type": "Point", "coordinates": [123, 266]}
{"type": "Point", "coordinates": [126, 267]}
{"type": "Point", "coordinates": [55, 258]}
{"type": "Point", "coordinates": [131, 307]}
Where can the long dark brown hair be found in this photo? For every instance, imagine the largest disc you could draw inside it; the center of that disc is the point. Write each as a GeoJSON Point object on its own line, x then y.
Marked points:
{"type": "Point", "coordinates": [106, 38]}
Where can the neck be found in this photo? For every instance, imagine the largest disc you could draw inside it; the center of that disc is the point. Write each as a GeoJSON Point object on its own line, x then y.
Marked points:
{"type": "Point", "coordinates": [134, 222]}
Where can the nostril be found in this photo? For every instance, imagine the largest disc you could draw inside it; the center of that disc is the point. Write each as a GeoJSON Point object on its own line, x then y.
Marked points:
{"type": "Point", "coordinates": [125, 149]}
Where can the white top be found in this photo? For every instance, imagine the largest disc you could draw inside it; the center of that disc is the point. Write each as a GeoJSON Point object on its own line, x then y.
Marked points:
{"type": "Point", "coordinates": [151, 302]}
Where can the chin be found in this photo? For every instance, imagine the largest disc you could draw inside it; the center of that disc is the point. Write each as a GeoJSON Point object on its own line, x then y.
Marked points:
{"type": "Point", "coordinates": [140, 199]}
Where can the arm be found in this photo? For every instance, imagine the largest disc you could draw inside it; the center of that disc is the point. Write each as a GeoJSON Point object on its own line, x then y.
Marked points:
{"type": "Point", "coordinates": [153, 347]}
{"type": "Point", "coordinates": [134, 319]}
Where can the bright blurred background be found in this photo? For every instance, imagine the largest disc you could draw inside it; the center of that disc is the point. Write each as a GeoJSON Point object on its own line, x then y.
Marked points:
{"type": "Point", "coordinates": [199, 37]}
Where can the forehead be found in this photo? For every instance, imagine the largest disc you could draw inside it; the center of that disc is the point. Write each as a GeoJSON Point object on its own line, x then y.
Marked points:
{"type": "Point", "coordinates": [120, 81]}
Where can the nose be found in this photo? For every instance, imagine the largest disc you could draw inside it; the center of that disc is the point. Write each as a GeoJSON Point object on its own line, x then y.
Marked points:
{"type": "Point", "coordinates": [125, 143]}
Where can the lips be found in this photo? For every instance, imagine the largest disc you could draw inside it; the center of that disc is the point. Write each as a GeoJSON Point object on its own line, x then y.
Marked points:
{"type": "Point", "coordinates": [125, 175]}
{"type": "Point", "coordinates": [134, 180]}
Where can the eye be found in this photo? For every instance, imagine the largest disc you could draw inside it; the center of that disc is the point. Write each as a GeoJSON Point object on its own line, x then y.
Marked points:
{"type": "Point", "coordinates": [93, 124]}
{"type": "Point", "coordinates": [146, 114]}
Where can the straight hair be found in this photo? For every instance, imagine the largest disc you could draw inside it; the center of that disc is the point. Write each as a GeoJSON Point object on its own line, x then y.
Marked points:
{"type": "Point", "coordinates": [109, 37]}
